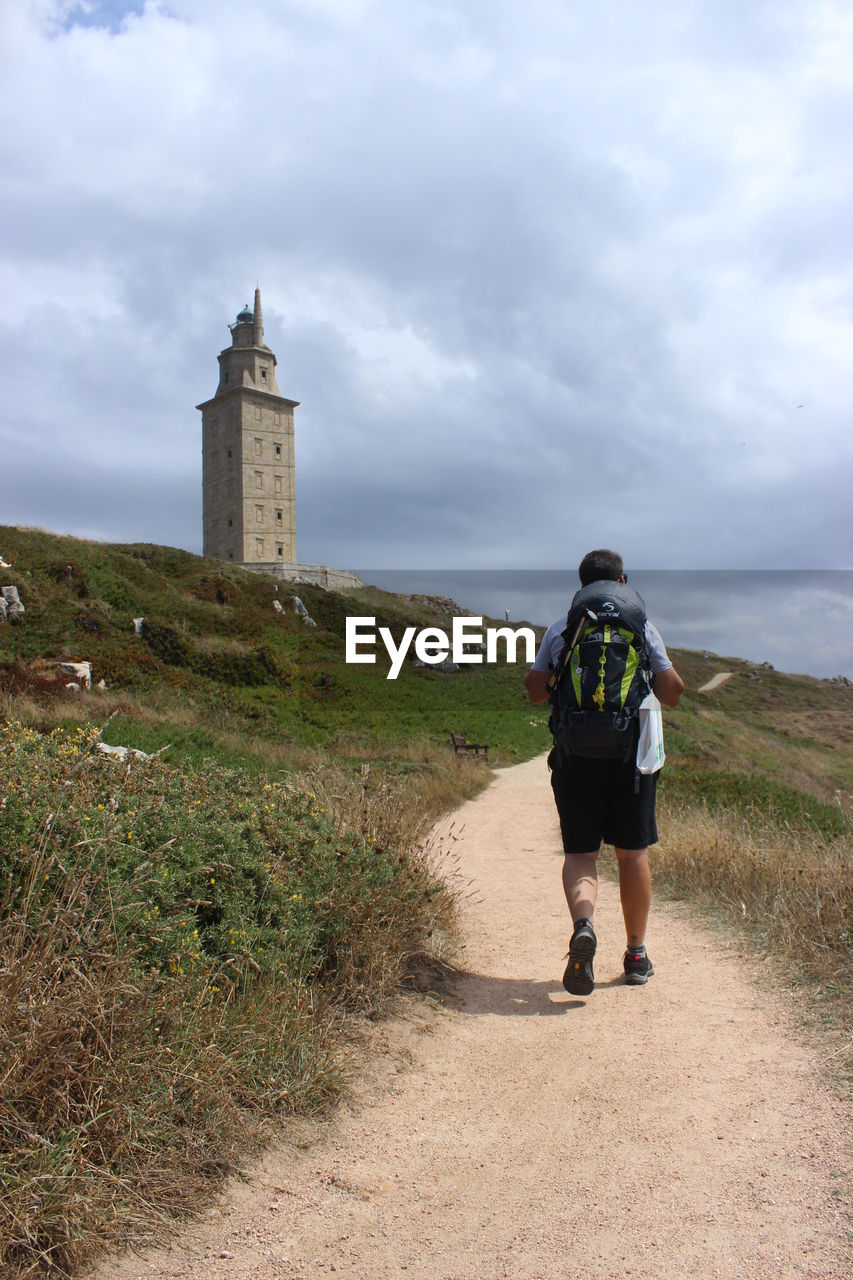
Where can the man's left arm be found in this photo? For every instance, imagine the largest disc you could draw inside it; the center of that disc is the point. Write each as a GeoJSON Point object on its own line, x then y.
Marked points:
{"type": "Point", "coordinates": [536, 684]}
{"type": "Point", "coordinates": [537, 679]}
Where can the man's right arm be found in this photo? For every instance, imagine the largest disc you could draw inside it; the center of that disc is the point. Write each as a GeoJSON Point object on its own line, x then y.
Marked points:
{"type": "Point", "coordinates": [668, 685]}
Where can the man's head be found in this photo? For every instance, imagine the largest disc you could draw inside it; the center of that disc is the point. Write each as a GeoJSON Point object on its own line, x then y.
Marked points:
{"type": "Point", "coordinates": [598, 566]}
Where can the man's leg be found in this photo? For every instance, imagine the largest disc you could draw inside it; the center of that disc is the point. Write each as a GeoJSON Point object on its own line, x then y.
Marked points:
{"type": "Point", "coordinates": [580, 883]}
{"type": "Point", "coordinates": [580, 825]}
{"type": "Point", "coordinates": [635, 890]}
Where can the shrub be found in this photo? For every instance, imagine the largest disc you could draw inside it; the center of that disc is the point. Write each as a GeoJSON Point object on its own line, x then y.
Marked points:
{"type": "Point", "coordinates": [172, 944]}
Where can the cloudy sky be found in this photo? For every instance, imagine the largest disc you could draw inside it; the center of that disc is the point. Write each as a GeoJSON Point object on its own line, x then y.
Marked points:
{"type": "Point", "coordinates": [543, 276]}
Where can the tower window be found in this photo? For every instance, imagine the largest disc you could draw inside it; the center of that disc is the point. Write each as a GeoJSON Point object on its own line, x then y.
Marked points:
{"type": "Point", "coordinates": [230, 523]}
{"type": "Point", "coordinates": [258, 447]}
{"type": "Point", "coordinates": [264, 374]}
{"type": "Point", "coordinates": [258, 412]}
{"type": "Point", "coordinates": [278, 451]}
{"type": "Point", "coordinates": [259, 548]}
{"type": "Point", "coordinates": [278, 484]}
{"type": "Point", "coordinates": [276, 418]}
{"type": "Point", "coordinates": [259, 479]}
{"type": "Point", "coordinates": [226, 377]}
{"type": "Point", "coordinates": [259, 514]}
{"type": "Point", "coordinates": [229, 453]}
{"type": "Point", "coordinates": [279, 550]}
{"type": "Point", "coordinates": [278, 516]}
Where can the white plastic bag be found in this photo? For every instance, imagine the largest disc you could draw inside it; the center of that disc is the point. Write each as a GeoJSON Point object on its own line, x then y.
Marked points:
{"type": "Point", "coordinates": [650, 752]}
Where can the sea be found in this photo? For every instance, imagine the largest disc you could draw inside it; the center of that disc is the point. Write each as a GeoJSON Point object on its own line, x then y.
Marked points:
{"type": "Point", "coordinates": [798, 620]}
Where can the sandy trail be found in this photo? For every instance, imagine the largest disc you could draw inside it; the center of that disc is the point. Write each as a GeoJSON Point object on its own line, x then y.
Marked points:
{"type": "Point", "coordinates": [714, 683]}
{"type": "Point", "coordinates": [666, 1131]}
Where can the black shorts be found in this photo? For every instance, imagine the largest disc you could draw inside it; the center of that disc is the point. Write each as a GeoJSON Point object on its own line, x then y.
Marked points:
{"type": "Point", "coordinates": [596, 801]}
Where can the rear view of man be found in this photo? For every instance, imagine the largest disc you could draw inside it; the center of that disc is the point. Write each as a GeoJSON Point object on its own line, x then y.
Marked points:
{"type": "Point", "coordinates": [598, 791]}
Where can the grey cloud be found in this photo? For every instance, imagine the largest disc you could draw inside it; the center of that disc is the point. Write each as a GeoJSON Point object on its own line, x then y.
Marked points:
{"type": "Point", "coordinates": [533, 274]}
{"type": "Point", "coordinates": [108, 503]}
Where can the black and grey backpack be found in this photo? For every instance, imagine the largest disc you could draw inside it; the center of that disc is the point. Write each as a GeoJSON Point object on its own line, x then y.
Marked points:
{"type": "Point", "coordinates": [602, 675]}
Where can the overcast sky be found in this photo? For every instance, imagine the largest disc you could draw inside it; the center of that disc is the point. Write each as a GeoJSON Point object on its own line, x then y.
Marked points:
{"type": "Point", "coordinates": [544, 276]}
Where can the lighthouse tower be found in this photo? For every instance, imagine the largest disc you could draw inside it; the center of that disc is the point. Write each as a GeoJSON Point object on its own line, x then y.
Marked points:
{"type": "Point", "coordinates": [247, 453]}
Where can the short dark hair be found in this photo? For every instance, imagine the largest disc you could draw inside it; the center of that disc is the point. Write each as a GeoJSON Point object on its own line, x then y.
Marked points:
{"type": "Point", "coordinates": [597, 566]}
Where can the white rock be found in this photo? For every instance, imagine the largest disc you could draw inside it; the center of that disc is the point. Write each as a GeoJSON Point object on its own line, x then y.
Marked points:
{"type": "Point", "coordinates": [299, 607]}
{"type": "Point", "coordinates": [121, 753]}
{"type": "Point", "coordinates": [13, 602]}
{"type": "Point", "coordinates": [81, 671]}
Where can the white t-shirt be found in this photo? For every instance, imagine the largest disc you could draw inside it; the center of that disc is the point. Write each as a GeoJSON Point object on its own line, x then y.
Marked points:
{"type": "Point", "coordinates": [551, 647]}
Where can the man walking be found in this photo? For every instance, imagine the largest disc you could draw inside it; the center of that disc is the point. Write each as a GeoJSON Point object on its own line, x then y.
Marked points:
{"type": "Point", "coordinates": [600, 798]}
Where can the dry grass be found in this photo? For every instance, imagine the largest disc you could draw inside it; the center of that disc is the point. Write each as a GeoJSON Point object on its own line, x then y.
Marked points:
{"type": "Point", "coordinates": [795, 892]}
{"type": "Point", "coordinates": [789, 893]}
{"type": "Point", "coordinates": [122, 1103]}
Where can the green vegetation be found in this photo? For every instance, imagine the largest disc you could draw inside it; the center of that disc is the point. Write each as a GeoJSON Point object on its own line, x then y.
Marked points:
{"type": "Point", "coordinates": [178, 947]}
{"type": "Point", "coordinates": [183, 937]}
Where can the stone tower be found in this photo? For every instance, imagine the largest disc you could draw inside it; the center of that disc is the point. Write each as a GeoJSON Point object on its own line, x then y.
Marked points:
{"type": "Point", "coordinates": [247, 453]}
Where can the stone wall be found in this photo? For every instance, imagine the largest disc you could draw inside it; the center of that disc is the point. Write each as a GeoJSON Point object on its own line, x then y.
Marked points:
{"type": "Point", "coordinates": [319, 575]}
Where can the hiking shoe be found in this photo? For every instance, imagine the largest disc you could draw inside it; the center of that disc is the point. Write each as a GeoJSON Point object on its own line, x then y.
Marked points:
{"type": "Point", "coordinates": [578, 978]}
{"type": "Point", "coordinates": [638, 969]}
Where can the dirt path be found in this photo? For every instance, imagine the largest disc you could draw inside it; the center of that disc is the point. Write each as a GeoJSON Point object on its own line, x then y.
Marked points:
{"type": "Point", "coordinates": [714, 683]}
{"type": "Point", "coordinates": [660, 1132]}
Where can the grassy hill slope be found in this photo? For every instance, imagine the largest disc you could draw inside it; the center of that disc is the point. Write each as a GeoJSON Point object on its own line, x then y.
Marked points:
{"type": "Point", "coordinates": [782, 745]}
{"type": "Point", "coordinates": [218, 670]}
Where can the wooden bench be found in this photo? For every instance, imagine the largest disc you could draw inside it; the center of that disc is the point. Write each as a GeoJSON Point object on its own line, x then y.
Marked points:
{"type": "Point", "coordinates": [463, 748]}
